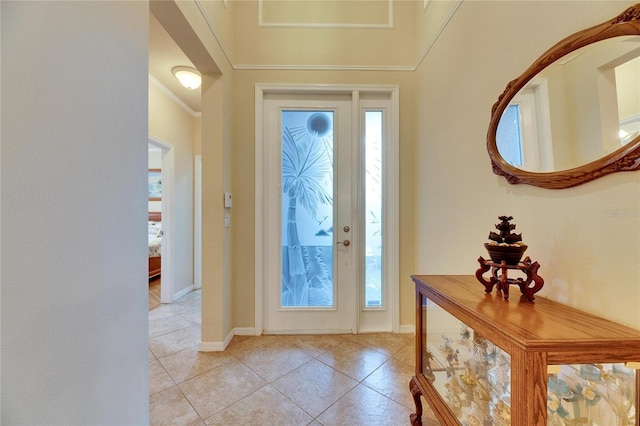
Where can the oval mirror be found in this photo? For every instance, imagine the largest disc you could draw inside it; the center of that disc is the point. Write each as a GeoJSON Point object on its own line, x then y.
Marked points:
{"type": "Point", "coordinates": [574, 114]}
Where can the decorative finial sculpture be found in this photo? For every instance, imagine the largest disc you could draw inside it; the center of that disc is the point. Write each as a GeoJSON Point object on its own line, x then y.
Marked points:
{"type": "Point", "coordinates": [506, 249]}
{"type": "Point", "coordinates": [506, 245]}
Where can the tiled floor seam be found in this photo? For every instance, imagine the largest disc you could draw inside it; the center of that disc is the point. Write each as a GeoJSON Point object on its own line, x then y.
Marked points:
{"type": "Point", "coordinates": [191, 404]}
{"type": "Point", "coordinates": [294, 403]}
{"type": "Point", "coordinates": [191, 324]}
{"type": "Point", "coordinates": [234, 402]}
{"type": "Point", "coordinates": [172, 379]}
{"type": "Point", "coordinates": [172, 331]}
{"type": "Point", "coordinates": [335, 403]}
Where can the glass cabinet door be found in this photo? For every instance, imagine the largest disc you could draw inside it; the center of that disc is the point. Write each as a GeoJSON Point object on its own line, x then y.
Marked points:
{"type": "Point", "coordinates": [592, 394]}
{"type": "Point", "coordinates": [471, 374]}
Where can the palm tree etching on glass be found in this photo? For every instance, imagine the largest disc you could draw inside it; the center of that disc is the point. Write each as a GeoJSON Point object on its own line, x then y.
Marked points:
{"type": "Point", "coordinates": [307, 181]}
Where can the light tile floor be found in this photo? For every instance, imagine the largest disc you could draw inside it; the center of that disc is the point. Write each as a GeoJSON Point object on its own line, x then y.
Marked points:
{"type": "Point", "coordinates": [276, 380]}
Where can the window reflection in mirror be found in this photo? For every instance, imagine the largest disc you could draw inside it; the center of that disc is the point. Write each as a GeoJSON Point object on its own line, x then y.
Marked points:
{"type": "Point", "coordinates": [627, 87]}
{"type": "Point", "coordinates": [509, 137]}
{"type": "Point", "coordinates": [580, 108]}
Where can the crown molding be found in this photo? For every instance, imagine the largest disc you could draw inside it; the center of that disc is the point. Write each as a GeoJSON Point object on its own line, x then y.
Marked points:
{"type": "Point", "coordinates": [329, 26]}
{"type": "Point", "coordinates": [212, 28]}
{"type": "Point", "coordinates": [435, 38]}
{"type": "Point", "coordinates": [324, 88]}
{"type": "Point", "coordinates": [325, 67]}
{"type": "Point", "coordinates": [173, 96]}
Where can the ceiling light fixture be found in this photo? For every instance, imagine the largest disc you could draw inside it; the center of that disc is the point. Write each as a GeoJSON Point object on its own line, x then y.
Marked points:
{"type": "Point", "coordinates": [188, 77]}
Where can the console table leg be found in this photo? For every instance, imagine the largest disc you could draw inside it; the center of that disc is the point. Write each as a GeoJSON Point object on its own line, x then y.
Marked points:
{"type": "Point", "coordinates": [416, 419]}
{"type": "Point", "coordinates": [532, 275]}
{"type": "Point", "coordinates": [488, 285]}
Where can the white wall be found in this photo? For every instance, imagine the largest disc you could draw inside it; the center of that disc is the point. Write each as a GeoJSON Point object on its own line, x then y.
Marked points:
{"type": "Point", "coordinates": [586, 238]}
{"type": "Point", "coordinates": [74, 263]}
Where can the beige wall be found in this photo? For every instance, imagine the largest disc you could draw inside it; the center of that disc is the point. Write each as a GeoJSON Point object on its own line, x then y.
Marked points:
{"type": "Point", "coordinates": [215, 147]}
{"type": "Point", "coordinates": [586, 238]}
{"type": "Point", "coordinates": [170, 123]}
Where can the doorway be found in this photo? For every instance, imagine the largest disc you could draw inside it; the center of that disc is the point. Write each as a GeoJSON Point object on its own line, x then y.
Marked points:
{"type": "Point", "coordinates": [167, 256]}
{"type": "Point", "coordinates": [326, 168]}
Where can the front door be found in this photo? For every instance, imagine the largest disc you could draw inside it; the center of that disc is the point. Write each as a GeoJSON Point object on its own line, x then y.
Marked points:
{"type": "Point", "coordinates": [324, 230]}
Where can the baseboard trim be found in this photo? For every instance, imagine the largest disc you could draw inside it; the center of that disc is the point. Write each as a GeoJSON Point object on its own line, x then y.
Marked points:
{"type": "Point", "coordinates": [211, 347]}
{"type": "Point", "coordinates": [183, 292]}
{"type": "Point", "coordinates": [251, 331]}
{"type": "Point", "coordinates": [407, 329]}
{"type": "Point", "coordinates": [216, 346]}
{"type": "Point", "coordinates": [295, 332]}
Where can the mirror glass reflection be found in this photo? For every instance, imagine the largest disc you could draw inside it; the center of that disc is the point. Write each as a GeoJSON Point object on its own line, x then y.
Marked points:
{"type": "Point", "coordinates": [578, 109]}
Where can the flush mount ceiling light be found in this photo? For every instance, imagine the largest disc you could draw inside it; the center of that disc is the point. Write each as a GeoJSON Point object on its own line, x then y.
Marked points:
{"type": "Point", "coordinates": [188, 77]}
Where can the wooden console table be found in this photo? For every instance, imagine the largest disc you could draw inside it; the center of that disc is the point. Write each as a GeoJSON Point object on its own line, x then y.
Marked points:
{"type": "Point", "coordinates": [534, 341]}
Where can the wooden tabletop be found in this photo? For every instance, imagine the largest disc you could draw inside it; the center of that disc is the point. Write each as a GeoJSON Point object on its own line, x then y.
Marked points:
{"type": "Point", "coordinates": [568, 334]}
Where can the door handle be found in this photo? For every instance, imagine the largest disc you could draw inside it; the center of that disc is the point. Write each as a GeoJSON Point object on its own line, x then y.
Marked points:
{"type": "Point", "coordinates": [346, 243]}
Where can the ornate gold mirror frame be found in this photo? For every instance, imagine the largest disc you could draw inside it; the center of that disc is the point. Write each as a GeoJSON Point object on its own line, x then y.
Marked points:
{"type": "Point", "coordinates": [626, 158]}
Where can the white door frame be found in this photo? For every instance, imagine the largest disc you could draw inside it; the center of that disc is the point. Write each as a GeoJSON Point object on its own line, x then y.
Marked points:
{"type": "Point", "coordinates": [167, 284]}
{"type": "Point", "coordinates": [391, 209]}
{"type": "Point", "coordinates": [197, 223]}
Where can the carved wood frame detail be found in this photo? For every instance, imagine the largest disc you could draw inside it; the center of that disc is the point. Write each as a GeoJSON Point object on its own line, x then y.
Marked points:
{"type": "Point", "coordinates": [626, 158]}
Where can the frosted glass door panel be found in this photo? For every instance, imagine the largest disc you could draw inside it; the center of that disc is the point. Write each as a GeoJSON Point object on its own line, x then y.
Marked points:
{"type": "Point", "coordinates": [373, 209]}
{"type": "Point", "coordinates": [307, 209]}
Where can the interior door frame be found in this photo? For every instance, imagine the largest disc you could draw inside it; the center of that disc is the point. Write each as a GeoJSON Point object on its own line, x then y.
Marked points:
{"type": "Point", "coordinates": [391, 209]}
{"type": "Point", "coordinates": [167, 262]}
{"type": "Point", "coordinates": [197, 222]}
